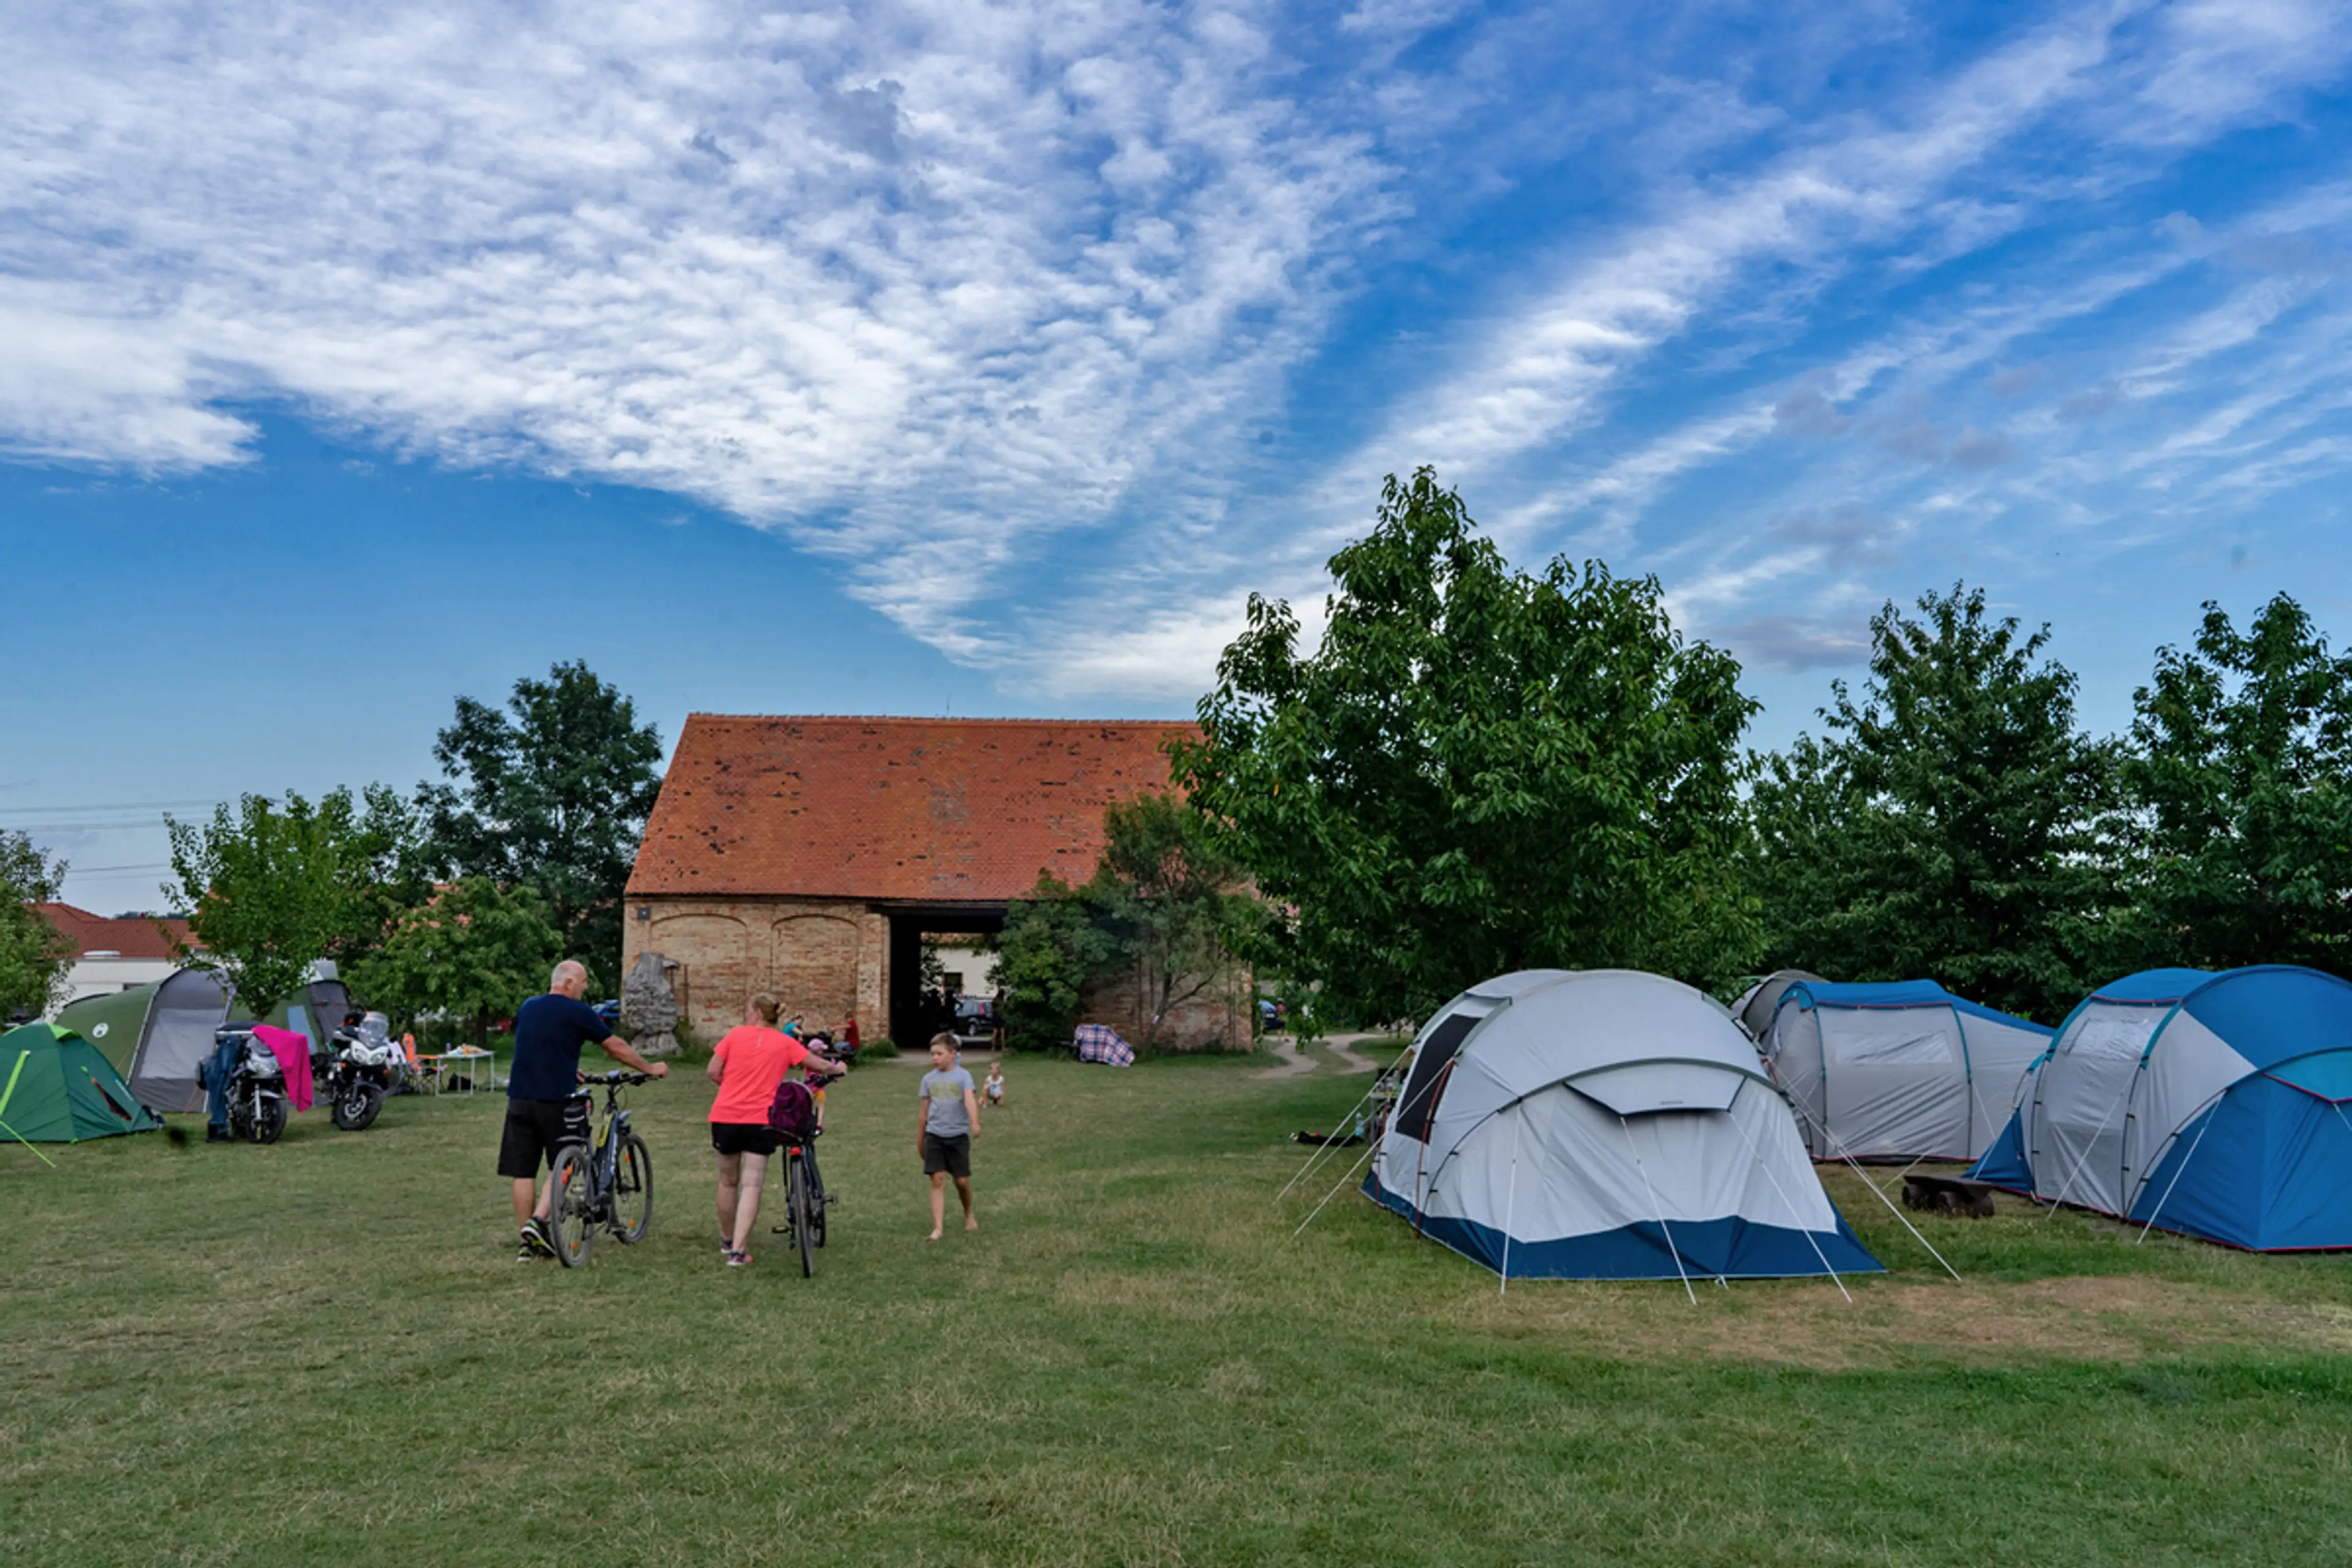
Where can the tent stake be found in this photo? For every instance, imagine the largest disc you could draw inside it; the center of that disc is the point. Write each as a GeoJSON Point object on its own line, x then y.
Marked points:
{"type": "Point", "coordinates": [1659, 1209]}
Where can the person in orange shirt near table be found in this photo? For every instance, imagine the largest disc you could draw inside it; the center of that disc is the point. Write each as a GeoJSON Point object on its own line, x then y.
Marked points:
{"type": "Point", "coordinates": [748, 1063]}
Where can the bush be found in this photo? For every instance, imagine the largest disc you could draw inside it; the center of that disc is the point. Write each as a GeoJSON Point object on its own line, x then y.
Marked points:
{"type": "Point", "coordinates": [881, 1050]}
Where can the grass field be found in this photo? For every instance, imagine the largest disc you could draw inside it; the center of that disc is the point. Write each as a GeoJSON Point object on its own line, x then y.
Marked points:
{"type": "Point", "coordinates": [324, 1350]}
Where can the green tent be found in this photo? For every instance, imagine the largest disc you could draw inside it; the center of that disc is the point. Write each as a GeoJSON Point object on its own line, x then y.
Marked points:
{"type": "Point", "coordinates": [55, 1087]}
{"type": "Point", "coordinates": [156, 1035]}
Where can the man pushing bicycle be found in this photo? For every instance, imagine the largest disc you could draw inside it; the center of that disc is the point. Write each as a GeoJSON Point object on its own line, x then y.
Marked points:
{"type": "Point", "coordinates": [549, 1031]}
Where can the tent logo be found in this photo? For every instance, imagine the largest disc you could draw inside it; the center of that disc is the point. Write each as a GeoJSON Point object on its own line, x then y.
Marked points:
{"type": "Point", "coordinates": [98, 1031]}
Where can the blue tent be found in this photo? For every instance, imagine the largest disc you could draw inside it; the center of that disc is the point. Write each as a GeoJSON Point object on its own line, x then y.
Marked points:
{"type": "Point", "coordinates": [2209, 1104]}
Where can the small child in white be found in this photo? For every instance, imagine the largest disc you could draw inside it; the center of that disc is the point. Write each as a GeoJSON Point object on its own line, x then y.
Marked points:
{"type": "Point", "coordinates": [994, 1089]}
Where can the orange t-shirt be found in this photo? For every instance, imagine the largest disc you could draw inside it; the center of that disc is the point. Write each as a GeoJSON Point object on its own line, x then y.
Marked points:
{"type": "Point", "coordinates": [754, 1060]}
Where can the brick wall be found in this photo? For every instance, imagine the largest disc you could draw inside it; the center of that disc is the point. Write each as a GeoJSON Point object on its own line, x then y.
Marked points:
{"type": "Point", "coordinates": [820, 957]}
{"type": "Point", "coordinates": [1217, 1019]}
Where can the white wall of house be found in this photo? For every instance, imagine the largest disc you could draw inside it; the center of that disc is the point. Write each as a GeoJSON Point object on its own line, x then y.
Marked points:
{"type": "Point", "coordinates": [104, 973]}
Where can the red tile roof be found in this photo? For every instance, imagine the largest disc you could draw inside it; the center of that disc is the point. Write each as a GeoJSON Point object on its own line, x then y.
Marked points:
{"type": "Point", "coordinates": [938, 809]}
{"type": "Point", "coordinates": [136, 938]}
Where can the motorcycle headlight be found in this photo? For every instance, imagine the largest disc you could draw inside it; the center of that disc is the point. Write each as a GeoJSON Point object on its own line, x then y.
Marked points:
{"type": "Point", "coordinates": [262, 1063]}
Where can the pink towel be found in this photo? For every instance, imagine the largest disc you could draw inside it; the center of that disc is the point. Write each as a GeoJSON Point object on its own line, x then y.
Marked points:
{"type": "Point", "coordinates": [293, 1054]}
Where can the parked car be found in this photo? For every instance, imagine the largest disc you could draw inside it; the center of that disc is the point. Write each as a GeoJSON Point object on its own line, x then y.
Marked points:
{"type": "Point", "coordinates": [975, 1020]}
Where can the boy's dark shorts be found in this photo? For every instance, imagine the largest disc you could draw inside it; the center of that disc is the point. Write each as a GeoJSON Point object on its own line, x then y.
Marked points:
{"type": "Point", "coordinates": [743, 1138]}
{"type": "Point", "coordinates": [534, 1127]}
{"type": "Point", "coordinates": [952, 1155]}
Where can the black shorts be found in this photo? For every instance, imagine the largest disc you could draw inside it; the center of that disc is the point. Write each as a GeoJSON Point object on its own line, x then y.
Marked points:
{"type": "Point", "coordinates": [534, 1127]}
{"type": "Point", "coordinates": [743, 1138]}
{"type": "Point", "coordinates": [952, 1155]}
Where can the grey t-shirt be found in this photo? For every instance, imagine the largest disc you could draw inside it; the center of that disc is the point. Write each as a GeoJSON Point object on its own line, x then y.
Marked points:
{"type": "Point", "coordinates": [945, 1091]}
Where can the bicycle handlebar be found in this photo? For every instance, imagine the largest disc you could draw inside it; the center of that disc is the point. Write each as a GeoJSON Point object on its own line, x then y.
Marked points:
{"type": "Point", "coordinates": [616, 1077]}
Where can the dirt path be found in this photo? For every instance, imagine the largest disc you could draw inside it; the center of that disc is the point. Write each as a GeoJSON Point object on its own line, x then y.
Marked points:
{"type": "Point", "coordinates": [1349, 1060]}
{"type": "Point", "coordinates": [1294, 1063]}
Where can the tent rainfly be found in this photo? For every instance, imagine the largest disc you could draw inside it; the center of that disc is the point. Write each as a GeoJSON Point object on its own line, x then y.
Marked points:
{"type": "Point", "coordinates": [315, 1012]}
{"type": "Point", "coordinates": [55, 1087]}
{"type": "Point", "coordinates": [1904, 1071]}
{"type": "Point", "coordinates": [2214, 1105]}
{"type": "Point", "coordinates": [156, 1035]}
{"type": "Point", "coordinates": [1760, 1001]}
{"type": "Point", "coordinates": [1603, 1124]}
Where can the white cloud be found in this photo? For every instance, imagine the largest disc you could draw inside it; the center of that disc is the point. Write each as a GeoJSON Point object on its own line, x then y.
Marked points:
{"type": "Point", "coordinates": [923, 284]}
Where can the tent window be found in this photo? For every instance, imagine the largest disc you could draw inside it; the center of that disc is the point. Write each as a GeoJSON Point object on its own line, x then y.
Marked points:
{"type": "Point", "coordinates": [1418, 1103]}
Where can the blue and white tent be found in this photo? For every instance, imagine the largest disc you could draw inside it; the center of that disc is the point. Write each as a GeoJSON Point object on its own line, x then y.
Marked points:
{"type": "Point", "coordinates": [2209, 1104]}
{"type": "Point", "coordinates": [1603, 1124]}
{"type": "Point", "coordinates": [1905, 1070]}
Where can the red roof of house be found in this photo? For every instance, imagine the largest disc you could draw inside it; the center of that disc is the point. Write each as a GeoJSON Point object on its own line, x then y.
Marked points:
{"type": "Point", "coordinates": [139, 937]}
{"type": "Point", "coordinates": [897, 809]}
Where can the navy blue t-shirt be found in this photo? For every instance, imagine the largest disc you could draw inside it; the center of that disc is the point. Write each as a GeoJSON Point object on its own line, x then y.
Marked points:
{"type": "Point", "coordinates": [549, 1032]}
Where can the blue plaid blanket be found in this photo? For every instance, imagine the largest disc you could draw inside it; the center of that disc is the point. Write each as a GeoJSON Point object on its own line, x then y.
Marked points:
{"type": "Point", "coordinates": [1101, 1043]}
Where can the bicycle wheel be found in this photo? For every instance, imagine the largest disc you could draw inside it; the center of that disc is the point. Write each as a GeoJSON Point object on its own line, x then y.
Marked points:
{"type": "Point", "coordinates": [571, 1204]}
{"type": "Point", "coordinates": [633, 1189]}
{"type": "Point", "coordinates": [816, 1196]}
{"type": "Point", "coordinates": [796, 1204]}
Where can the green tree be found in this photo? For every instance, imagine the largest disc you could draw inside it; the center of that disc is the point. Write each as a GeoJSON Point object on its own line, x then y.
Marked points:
{"type": "Point", "coordinates": [473, 952]}
{"type": "Point", "coordinates": [2238, 832]}
{"type": "Point", "coordinates": [269, 891]}
{"type": "Point", "coordinates": [34, 956]}
{"type": "Point", "coordinates": [553, 792]}
{"type": "Point", "coordinates": [1947, 826]}
{"type": "Point", "coordinates": [1476, 771]}
{"type": "Point", "coordinates": [1174, 901]}
{"type": "Point", "coordinates": [383, 868]}
{"type": "Point", "coordinates": [1053, 942]}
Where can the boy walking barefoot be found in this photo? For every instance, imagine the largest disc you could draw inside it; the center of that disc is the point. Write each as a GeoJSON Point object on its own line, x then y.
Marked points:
{"type": "Point", "coordinates": [947, 1121]}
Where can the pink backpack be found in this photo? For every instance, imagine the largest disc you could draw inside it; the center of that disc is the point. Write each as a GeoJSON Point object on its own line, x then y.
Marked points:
{"type": "Point", "coordinates": [792, 1112]}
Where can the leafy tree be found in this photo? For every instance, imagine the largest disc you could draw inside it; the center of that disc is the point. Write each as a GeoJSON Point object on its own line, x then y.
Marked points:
{"type": "Point", "coordinates": [1476, 771]}
{"type": "Point", "coordinates": [34, 956]}
{"type": "Point", "coordinates": [1946, 827]}
{"type": "Point", "coordinates": [269, 891]}
{"type": "Point", "coordinates": [1174, 901]}
{"type": "Point", "coordinates": [552, 792]}
{"type": "Point", "coordinates": [2239, 785]}
{"type": "Point", "coordinates": [384, 869]}
{"type": "Point", "coordinates": [1053, 942]}
{"type": "Point", "coordinates": [474, 952]}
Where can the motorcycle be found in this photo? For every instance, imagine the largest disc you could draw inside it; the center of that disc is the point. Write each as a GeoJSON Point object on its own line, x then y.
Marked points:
{"type": "Point", "coordinates": [258, 1104]}
{"type": "Point", "coordinates": [363, 1066]}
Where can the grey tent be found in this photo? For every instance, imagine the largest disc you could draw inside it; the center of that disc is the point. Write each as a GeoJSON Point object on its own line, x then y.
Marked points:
{"type": "Point", "coordinates": [156, 1035]}
{"type": "Point", "coordinates": [314, 1012]}
{"type": "Point", "coordinates": [1760, 1001]}
{"type": "Point", "coordinates": [1899, 1071]}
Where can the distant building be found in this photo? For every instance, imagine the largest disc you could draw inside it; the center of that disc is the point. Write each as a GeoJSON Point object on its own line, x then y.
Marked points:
{"type": "Point", "coordinates": [809, 856]}
{"type": "Point", "coordinates": [115, 955]}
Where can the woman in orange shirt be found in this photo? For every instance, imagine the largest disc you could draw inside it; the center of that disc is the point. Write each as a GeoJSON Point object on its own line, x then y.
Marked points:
{"type": "Point", "coordinates": [750, 1062]}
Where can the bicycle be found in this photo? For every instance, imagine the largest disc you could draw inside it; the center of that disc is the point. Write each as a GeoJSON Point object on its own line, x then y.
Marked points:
{"type": "Point", "coordinates": [609, 1184]}
{"type": "Point", "coordinates": [805, 1199]}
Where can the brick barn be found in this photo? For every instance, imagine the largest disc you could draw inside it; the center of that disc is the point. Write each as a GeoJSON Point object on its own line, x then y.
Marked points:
{"type": "Point", "coordinates": [809, 856]}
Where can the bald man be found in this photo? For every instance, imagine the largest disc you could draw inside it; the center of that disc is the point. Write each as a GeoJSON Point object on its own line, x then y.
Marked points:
{"type": "Point", "coordinates": [549, 1032]}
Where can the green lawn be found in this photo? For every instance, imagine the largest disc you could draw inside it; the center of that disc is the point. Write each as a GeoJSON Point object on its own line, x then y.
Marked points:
{"type": "Point", "coordinates": [324, 1350]}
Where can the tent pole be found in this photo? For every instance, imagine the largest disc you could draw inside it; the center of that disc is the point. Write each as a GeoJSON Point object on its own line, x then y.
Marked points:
{"type": "Point", "coordinates": [1322, 1150]}
{"type": "Point", "coordinates": [1785, 1199]}
{"type": "Point", "coordinates": [1511, 1204]}
{"type": "Point", "coordinates": [1658, 1209]}
{"type": "Point", "coordinates": [14, 1074]}
{"type": "Point", "coordinates": [2177, 1175]}
{"type": "Point", "coordinates": [1335, 1191]}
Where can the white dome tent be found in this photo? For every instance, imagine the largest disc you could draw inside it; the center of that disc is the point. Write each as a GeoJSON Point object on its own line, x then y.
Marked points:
{"type": "Point", "coordinates": [1604, 1124]}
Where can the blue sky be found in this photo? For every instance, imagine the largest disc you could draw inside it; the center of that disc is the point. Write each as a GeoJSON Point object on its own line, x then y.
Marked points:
{"type": "Point", "coordinates": [931, 358]}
